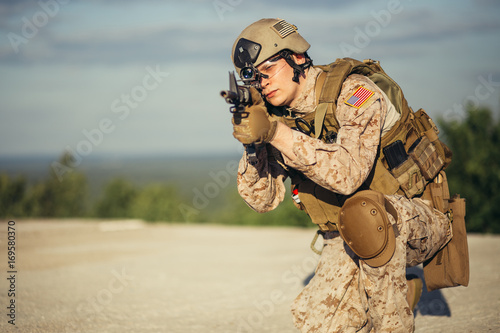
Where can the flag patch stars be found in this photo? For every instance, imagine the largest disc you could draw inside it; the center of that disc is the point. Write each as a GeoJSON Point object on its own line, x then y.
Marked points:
{"type": "Point", "coordinates": [360, 96]}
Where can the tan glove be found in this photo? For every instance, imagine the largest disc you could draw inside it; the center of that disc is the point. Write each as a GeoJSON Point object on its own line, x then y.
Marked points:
{"type": "Point", "coordinates": [253, 125]}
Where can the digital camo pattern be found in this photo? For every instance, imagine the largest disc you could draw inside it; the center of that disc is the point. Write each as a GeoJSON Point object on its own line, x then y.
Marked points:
{"type": "Point", "coordinates": [333, 300]}
{"type": "Point", "coordinates": [306, 102]}
{"type": "Point", "coordinates": [261, 186]}
{"type": "Point", "coordinates": [347, 295]}
{"type": "Point", "coordinates": [340, 167]}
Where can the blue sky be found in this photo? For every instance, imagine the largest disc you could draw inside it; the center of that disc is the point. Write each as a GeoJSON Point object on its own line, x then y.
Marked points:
{"type": "Point", "coordinates": [127, 77]}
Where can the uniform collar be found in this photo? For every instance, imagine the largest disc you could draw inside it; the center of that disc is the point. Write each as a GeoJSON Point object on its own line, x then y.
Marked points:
{"type": "Point", "coordinates": [306, 103]}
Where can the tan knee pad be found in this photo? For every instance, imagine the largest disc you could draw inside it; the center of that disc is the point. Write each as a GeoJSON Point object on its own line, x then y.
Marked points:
{"type": "Point", "coordinates": [365, 227]}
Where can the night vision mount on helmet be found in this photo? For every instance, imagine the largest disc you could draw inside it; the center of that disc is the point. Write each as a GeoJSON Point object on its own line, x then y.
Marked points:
{"type": "Point", "coordinates": [264, 39]}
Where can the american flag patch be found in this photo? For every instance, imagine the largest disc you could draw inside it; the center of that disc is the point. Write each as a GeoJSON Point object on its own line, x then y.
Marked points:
{"type": "Point", "coordinates": [360, 96]}
{"type": "Point", "coordinates": [283, 28]}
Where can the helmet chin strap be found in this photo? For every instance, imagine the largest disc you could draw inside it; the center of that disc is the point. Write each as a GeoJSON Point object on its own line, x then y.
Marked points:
{"type": "Point", "coordinates": [297, 69]}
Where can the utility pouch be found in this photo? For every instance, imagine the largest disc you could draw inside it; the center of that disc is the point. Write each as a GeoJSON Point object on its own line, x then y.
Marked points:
{"type": "Point", "coordinates": [428, 129]}
{"type": "Point", "coordinates": [450, 266]}
{"type": "Point", "coordinates": [409, 178]}
{"type": "Point", "coordinates": [322, 206]}
{"type": "Point", "coordinates": [427, 158]}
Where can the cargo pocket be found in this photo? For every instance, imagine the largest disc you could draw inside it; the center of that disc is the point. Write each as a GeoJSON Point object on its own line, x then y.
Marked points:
{"type": "Point", "coordinates": [418, 237]}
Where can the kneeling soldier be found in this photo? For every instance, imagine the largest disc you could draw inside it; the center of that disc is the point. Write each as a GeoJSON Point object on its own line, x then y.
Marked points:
{"type": "Point", "coordinates": [354, 151]}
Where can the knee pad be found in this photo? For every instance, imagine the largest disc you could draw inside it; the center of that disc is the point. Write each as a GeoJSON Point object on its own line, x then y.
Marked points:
{"type": "Point", "coordinates": [366, 228]}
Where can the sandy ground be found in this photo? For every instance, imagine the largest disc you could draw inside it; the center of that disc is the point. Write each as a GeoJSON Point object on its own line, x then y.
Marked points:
{"type": "Point", "coordinates": [127, 276]}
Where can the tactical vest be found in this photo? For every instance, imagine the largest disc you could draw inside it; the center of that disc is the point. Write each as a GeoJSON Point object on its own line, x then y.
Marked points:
{"type": "Point", "coordinates": [413, 142]}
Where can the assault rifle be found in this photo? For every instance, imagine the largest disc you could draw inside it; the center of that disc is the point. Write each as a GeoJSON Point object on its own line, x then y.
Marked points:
{"type": "Point", "coordinates": [239, 97]}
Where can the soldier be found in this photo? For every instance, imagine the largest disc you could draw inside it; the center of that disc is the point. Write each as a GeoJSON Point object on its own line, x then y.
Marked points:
{"type": "Point", "coordinates": [345, 144]}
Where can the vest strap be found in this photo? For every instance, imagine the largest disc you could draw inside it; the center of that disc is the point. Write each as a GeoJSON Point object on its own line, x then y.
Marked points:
{"type": "Point", "coordinates": [323, 208]}
{"type": "Point", "coordinates": [319, 118]}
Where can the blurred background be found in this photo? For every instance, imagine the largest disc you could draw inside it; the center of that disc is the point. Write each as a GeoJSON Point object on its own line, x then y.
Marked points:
{"type": "Point", "coordinates": [111, 109]}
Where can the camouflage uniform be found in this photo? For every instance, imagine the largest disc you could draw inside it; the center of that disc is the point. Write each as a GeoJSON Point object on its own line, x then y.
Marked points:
{"type": "Point", "coordinates": [346, 294]}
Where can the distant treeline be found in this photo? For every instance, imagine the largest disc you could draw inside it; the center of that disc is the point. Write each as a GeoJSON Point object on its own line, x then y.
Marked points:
{"type": "Point", "coordinates": [65, 194]}
{"type": "Point", "coordinates": [473, 136]}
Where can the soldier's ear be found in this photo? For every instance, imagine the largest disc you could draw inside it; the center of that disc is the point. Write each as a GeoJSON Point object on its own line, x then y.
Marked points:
{"type": "Point", "coordinates": [299, 58]}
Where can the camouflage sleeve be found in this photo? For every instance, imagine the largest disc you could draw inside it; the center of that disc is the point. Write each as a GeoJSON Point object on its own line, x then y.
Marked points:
{"type": "Point", "coordinates": [261, 185]}
{"type": "Point", "coordinates": [341, 167]}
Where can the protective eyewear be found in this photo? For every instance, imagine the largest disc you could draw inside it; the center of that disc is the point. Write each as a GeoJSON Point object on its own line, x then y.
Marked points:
{"type": "Point", "coordinates": [266, 70]}
{"type": "Point", "coordinates": [271, 67]}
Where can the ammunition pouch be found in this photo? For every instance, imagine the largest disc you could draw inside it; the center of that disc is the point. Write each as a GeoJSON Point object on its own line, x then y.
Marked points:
{"type": "Point", "coordinates": [322, 206]}
{"type": "Point", "coordinates": [409, 177]}
{"type": "Point", "coordinates": [425, 156]}
{"type": "Point", "coordinates": [419, 171]}
{"type": "Point", "coordinates": [427, 129]}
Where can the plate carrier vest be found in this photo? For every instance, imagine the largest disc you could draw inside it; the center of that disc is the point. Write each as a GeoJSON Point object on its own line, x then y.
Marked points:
{"type": "Point", "coordinates": [421, 174]}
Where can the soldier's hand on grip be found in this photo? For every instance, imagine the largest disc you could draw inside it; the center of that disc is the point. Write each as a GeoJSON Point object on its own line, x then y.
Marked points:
{"type": "Point", "coordinates": [253, 125]}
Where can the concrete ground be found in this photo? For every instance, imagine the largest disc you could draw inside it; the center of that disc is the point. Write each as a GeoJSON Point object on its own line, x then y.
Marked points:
{"type": "Point", "coordinates": [128, 276]}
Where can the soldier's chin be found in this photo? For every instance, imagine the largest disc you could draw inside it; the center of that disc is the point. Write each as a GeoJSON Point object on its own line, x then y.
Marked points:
{"type": "Point", "coordinates": [276, 100]}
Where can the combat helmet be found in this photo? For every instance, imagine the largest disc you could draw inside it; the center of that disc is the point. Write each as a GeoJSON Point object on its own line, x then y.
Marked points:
{"type": "Point", "coordinates": [265, 38]}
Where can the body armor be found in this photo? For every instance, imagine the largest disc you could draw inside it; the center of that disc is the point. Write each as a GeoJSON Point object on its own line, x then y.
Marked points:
{"type": "Point", "coordinates": [421, 171]}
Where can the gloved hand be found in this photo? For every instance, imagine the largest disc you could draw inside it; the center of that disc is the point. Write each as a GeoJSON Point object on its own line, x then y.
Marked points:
{"type": "Point", "coordinates": [253, 125]}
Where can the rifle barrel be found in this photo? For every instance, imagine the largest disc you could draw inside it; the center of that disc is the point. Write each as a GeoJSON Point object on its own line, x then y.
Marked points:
{"type": "Point", "coordinates": [230, 96]}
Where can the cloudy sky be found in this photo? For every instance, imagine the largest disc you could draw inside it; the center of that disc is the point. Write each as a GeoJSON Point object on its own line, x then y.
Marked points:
{"type": "Point", "coordinates": [127, 77]}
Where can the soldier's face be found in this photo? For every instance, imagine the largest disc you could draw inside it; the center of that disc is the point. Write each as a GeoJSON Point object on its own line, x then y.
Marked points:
{"type": "Point", "coordinates": [279, 89]}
